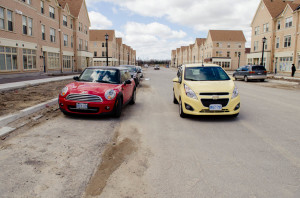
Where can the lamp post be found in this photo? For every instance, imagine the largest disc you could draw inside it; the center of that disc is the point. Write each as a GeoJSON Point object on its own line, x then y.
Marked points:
{"type": "Point", "coordinates": [128, 58]}
{"type": "Point", "coordinates": [106, 38]}
{"type": "Point", "coordinates": [263, 50]}
{"type": "Point", "coordinates": [239, 59]}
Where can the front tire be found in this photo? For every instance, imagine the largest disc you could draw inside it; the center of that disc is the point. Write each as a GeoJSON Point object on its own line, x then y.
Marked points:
{"type": "Point", "coordinates": [181, 113]}
{"type": "Point", "coordinates": [174, 99]}
{"type": "Point", "coordinates": [262, 80]}
{"type": "Point", "coordinates": [246, 79]}
{"type": "Point", "coordinates": [118, 108]}
{"type": "Point", "coordinates": [133, 97]}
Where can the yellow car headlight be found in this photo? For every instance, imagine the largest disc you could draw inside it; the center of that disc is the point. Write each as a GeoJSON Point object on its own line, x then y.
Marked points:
{"type": "Point", "coordinates": [189, 92]}
{"type": "Point", "coordinates": [235, 93]}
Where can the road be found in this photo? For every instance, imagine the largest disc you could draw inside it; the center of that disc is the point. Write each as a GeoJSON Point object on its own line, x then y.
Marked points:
{"type": "Point", "coordinates": [152, 152]}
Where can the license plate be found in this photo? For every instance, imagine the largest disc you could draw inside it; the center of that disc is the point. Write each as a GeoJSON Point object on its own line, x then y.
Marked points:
{"type": "Point", "coordinates": [81, 106]}
{"type": "Point", "coordinates": [215, 107]}
{"type": "Point", "coordinates": [259, 73]}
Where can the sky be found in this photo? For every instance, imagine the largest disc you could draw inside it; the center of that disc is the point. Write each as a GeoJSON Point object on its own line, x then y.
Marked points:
{"type": "Point", "coordinates": [155, 27]}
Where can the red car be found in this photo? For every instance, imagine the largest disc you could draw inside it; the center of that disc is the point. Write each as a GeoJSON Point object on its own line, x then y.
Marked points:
{"type": "Point", "coordinates": [98, 90]}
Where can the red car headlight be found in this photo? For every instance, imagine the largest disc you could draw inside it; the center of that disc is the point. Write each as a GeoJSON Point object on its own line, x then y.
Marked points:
{"type": "Point", "coordinates": [64, 91]}
{"type": "Point", "coordinates": [110, 94]}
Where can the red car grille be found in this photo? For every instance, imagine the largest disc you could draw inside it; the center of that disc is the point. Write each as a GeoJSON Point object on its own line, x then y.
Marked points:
{"type": "Point", "coordinates": [84, 98]}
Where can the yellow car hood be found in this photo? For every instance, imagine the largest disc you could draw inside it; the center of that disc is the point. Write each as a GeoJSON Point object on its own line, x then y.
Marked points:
{"type": "Point", "coordinates": [211, 86]}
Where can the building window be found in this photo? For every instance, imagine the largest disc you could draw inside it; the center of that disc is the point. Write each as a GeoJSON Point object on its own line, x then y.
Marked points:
{"type": "Point", "coordinates": [266, 27]}
{"type": "Point", "coordinates": [85, 29]}
{"type": "Point", "coordinates": [255, 45]}
{"type": "Point", "coordinates": [29, 59]}
{"type": "Point", "coordinates": [288, 22]}
{"type": "Point", "coordinates": [239, 45]}
{"type": "Point", "coordinates": [27, 1]}
{"type": "Point", "coordinates": [30, 26]}
{"type": "Point", "coordinates": [9, 20]}
{"type": "Point", "coordinates": [24, 23]}
{"type": "Point", "coordinates": [43, 33]}
{"type": "Point", "coordinates": [42, 7]}
{"type": "Point", "coordinates": [277, 42]}
{"type": "Point", "coordinates": [80, 44]}
{"type": "Point", "coordinates": [8, 58]}
{"type": "Point", "coordinates": [287, 41]}
{"type": "Point", "coordinates": [228, 54]}
{"type": "Point", "coordinates": [95, 44]}
{"type": "Point", "coordinates": [53, 60]}
{"type": "Point", "coordinates": [71, 23]}
{"type": "Point", "coordinates": [228, 45]}
{"type": "Point", "coordinates": [65, 21]}
{"type": "Point", "coordinates": [103, 45]}
{"type": "Point", "coordinates": [80, 27]}
{"type": "Point", "coordinates": [2, 23]}
{"type": "Point", "coordinates": [67, 62]}
{"type": "Point", "coordinates": [103, 53]}
{"type": "Point", "coordinates": [95, 54]}
{"type": "Point", "coordinates": [52, 35]}
{"type": "Point", "coordinates": [278, 25]}
{"type": "Point", "coordinates": [65, 40]}
{"type": "Point", "coordinates": [256, 31]}
{"type": "Point", "coordinates": [266, 45]}
{"type": "Point", "coordinates": [72, 41]}
{"type": "Point", "coordinates": [219, 44]}
{"type": "Point", "coordinates": [219, 53]}
{"type": "Point", "coordinates": [51, 12]}
{"type": "Point", "coordinates": [86, 46]}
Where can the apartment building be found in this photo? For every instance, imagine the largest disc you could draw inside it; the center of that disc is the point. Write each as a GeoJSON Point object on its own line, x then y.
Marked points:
{"type": "Point", "coordinates": [43, 36]}
{"type": "Point", "coordinates": [278, 22]}
{"type": "Point", "coordinates": [118, 53]}
{"type": "Point", "coordinates": [223, 47]}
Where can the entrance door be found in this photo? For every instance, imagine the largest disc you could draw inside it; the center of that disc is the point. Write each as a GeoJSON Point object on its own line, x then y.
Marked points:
{"type": "Point", "coordinates": [44, 61]}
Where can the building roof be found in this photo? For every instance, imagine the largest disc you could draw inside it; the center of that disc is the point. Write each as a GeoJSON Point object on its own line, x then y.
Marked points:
{"type": "Point", "coordinates": [99, 35]}
{"type": "Point", "coordinates": [200, 41]}
{"type": "Point", "coordinates": [74, 6]}
{"type": "Point", "coordinates": [227, 35]}
{"type": "Point", "coordinates": [119, 41]}
{"type": "Point", "coordinates": [276, 7]}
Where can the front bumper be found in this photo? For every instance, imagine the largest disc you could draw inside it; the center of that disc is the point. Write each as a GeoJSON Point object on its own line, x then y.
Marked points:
{"type": "Point", "coordinates": [232, 107]}
{"type": "Point", "coordinates": [94, 108]}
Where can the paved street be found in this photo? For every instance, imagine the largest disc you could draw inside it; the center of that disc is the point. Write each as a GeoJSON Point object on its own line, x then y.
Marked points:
{"type": "Point", "coordinates": [153, 153]}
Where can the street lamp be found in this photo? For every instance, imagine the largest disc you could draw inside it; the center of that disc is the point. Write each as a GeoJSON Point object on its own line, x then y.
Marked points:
{"type": "Point", "coordinates": [106, 38]}
{"type": "Point", "coordinates": [263, 50]}
{"type": "Point", "coordinates": [128, 58]}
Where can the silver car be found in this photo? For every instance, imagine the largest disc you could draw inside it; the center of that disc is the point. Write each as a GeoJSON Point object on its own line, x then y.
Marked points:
{"type": "Point", "coordinates": [251, 72]}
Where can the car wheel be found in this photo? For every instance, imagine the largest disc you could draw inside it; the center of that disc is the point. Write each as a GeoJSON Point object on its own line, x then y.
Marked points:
{"type": "Point", "coordinates": [181, 113]}
{"type": "Point", "coordinates": [118, 108]}
{"type": "Point", "coordinates": [234, 77]}
{"type": "Point", "coordinates": [174, 99]}
{"type": "Point", "coordinates": [262, 80]}
{"type": "Point", "coordinates": [133, 97]}
{"type": "Point", "coordinates": [246, 78]}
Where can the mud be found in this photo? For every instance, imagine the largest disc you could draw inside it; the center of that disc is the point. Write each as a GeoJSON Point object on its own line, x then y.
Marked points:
{"type": "Point", "coordinates": [18, 99]}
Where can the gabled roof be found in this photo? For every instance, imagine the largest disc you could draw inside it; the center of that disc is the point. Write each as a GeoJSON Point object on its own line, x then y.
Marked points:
{"type": "Point", "coordinates": [276, 7]}
{"type": "Point", "coordinates": [200, 41]}
{"type": "Point", "coordinates": [99, 35]}
{"type": "Point", "coordinates": [227, 35]}
{"type": "Point", "coordinates": [74, 6]}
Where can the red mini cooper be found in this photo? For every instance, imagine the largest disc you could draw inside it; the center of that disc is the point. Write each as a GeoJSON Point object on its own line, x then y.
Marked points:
{"type": "Point", "coordinates": [98, 90]}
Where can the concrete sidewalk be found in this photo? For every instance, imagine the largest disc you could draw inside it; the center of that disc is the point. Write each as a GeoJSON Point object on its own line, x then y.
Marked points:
{"type": "Point", "coordinates": [21, 84]}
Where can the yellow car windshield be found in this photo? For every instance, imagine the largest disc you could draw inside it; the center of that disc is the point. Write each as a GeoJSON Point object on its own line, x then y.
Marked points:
{"type": "Point", "coordinates": [205, 74]}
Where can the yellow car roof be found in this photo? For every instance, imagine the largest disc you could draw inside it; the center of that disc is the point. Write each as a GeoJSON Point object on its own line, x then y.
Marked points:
{"type": "Point", "coordinates": [200, 65]}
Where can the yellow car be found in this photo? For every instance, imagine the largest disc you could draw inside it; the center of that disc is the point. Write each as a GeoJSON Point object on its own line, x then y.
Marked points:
{"type": "Point", "coordinates": [205, 89]}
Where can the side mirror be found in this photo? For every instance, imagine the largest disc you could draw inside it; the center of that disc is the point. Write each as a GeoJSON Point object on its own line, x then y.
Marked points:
{"type": "Point", "coordinates": [127, 82]}
{"type": "Point", "coordinates": [76, 78]}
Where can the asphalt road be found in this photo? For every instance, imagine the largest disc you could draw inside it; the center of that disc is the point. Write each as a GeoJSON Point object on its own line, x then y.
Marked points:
{"type": "Point", "coordinates": [151, 152]}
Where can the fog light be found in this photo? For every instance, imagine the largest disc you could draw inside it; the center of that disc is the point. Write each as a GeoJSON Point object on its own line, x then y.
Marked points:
{"type": "Point", "coordinates": [107, 108]}
{"type": "Point", "coordinates": [237, 106]}
{"type": "Point", "coordinates": [188, 107]}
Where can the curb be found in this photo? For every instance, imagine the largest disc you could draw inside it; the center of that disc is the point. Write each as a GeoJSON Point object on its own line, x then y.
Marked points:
{"type": "Point", "coordinates": [18, 85]}
{"type": "Point", "coordinates": [25, 112]}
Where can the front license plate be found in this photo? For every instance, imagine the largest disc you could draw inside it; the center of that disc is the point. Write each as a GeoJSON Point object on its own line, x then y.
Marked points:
{"type": "Point", "coordinates": [215, 107]}
{"type": "Point", "coordinates": [81, 106]}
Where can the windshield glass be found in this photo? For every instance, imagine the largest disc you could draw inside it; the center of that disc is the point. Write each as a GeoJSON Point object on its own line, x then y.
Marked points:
{"type": "Point", "coordinates": [132, 69]}
{"type": "Point", "coordinates": [100, 75]}
{"type": "Point", "coordinates": [257, 68]}
{"type": "Point", "coordinates": [205, 74]}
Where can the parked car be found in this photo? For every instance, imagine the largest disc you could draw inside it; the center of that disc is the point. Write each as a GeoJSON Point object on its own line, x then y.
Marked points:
{"type": "Point", "coordinates": [205, 90]}
{"type": "Point", "coordinates": [146, 65]}
{"type": "Point", "coordinates": [156, 67]}
{"type": "Point", "coordinates": [140, 71]}
{"type": "Point", "coordinates": [251, 72]}
{"type": "Point", "coordinates": [133, 72]}
{"type": "Point", "coordinates": [98, 90]}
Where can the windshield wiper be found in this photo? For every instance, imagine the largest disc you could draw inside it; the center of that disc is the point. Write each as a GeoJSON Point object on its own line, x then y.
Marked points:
{"type": "Point", "coordinates": [103, 81]}
{"type": "Point", "coordinates": [191, 79]}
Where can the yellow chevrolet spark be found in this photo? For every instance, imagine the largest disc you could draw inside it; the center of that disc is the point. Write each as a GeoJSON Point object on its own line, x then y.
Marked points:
{"type": "Point", "coordinates": [205, 90]}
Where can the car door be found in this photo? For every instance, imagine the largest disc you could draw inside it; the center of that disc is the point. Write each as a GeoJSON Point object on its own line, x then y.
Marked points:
{"type": "Point", "coordinates": [237, 73]}
{"type": "Point", "coordinates": [177, 84]}
{"type": "Point", "coordinates": [127, 88]}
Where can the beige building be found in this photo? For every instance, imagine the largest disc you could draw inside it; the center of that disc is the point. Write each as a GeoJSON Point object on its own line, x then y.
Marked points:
{"type": "Point", "coordinates": [43, 36]}
{"type": "Point", "coordinates": [118, 53]}
{"type": "Point", "coordinates": [278, 22]}
{"type": "Point", "coordinates": [223, 47]}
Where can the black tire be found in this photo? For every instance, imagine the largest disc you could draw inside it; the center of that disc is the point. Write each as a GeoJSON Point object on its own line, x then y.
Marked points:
{"type": "Point", "coordinates": [118, 108]}
{"type": "Point", "coordinates": [181, 113]}
{"type": "Point", "coordinates": [246, 79]}
{"type": "Point", "coordinates": [133, 97]}
{"type": "Point", "coordinates": [234, 77]}
{"type": "Point", "coordinates": [235, 115]}
{"type": "Point", "coordinates": [262, 80]}
{"type": "Point", "coordinates": [174, 99]}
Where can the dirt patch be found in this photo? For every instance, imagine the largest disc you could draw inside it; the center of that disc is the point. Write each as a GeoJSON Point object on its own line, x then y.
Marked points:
{"type": "Point", "coordinates": [282, 86]}
{"type": "Point", "coordinates": [18, 99]}
{"type": "Point", "coordinates": [112, 159]}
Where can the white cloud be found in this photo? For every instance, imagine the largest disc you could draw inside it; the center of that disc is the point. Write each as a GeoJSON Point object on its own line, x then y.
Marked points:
{"type": "Point", "coordinates": [153, 40]}
{"type": "Point", "coordinates": [98, 21]}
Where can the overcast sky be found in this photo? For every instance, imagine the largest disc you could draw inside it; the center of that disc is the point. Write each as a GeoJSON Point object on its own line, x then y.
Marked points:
{"type": "Point", "coordinates": [154, 27]}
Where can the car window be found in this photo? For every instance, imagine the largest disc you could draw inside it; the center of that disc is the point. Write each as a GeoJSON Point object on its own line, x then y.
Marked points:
{"type": "Point", "coordinates": [125, 75]}
{"type": "Point", "coordinates": [205, 74]}
{"type": "Point", "coordinates": [258, 68]}
{"type": "Point", "coordinates": [100, 75]}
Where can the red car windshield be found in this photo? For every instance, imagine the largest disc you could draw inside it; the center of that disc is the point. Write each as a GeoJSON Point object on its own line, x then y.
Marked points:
{"type": "Point", "coordinates": [100, 75]}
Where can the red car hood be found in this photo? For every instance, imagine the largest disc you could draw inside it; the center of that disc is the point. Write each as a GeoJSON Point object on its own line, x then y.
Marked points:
{"type": "Point", "coordinates": [90, 88]}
